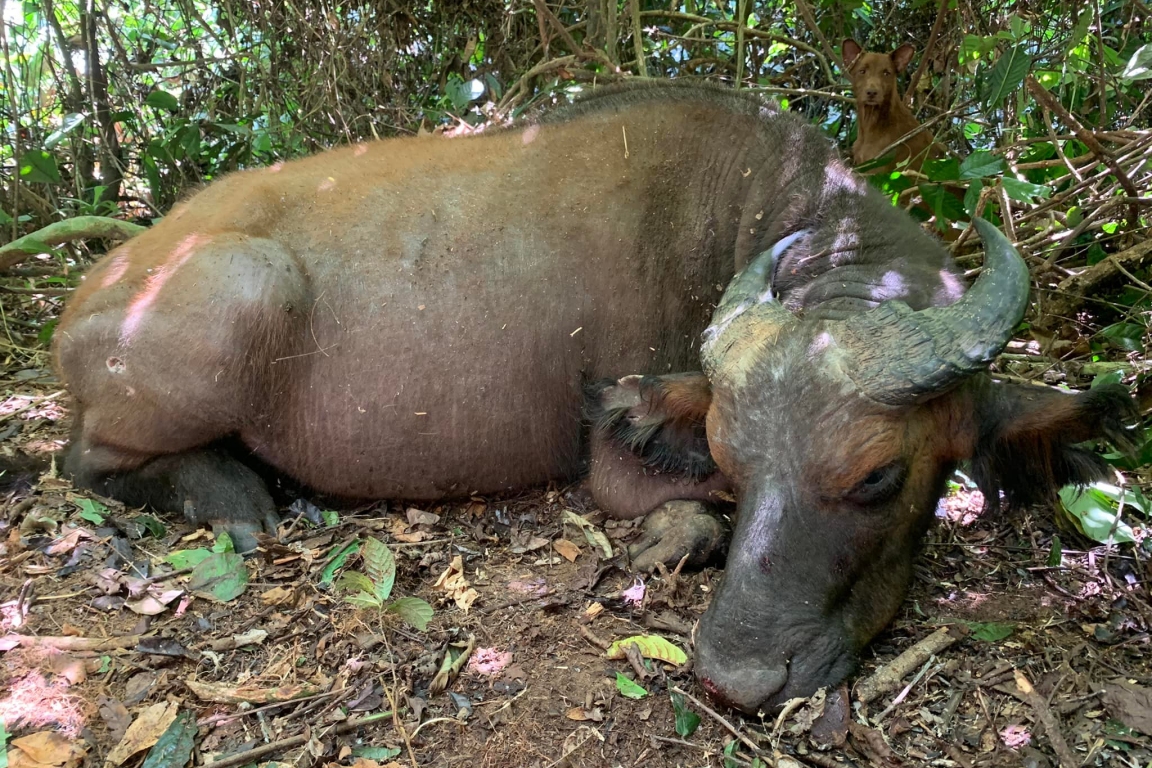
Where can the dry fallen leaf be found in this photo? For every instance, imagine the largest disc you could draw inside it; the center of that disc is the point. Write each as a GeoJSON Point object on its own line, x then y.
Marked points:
{"type": "Point", "coordinates": [144, 731]}
{"type": "Point", "coordinates": [398, 528]}
{"type": "Point", "coordinates": [566, 549]}
{"type": "Point", "coordinates": [115, 716]}
{"type": "Point", "coordinates": [278, 596]}
{"type": "Point", "coordinates": [453, 582]}
{"type": "Point", "coordinates": [43, 749]}
{"type": "Point", "coordinates": [580, 714]}
{"type": "Point", "coordinates": [1131, 704]}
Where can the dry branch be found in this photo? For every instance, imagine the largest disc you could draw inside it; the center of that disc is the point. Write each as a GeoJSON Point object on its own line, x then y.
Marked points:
{"type": "Point", "coordinates": [65, 643]}
{"type": "Point", "coordinates": [1024, 691]}
{"type": "Point", "coordinates": [888, 677]}
{"type": "Point", "coordinates": [78, 228]}
{"type": "Point", "coordinates": [1073, 291]}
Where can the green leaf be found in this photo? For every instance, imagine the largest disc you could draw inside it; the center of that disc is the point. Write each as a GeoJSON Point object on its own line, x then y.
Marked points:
{"type": "Point", "coordinates": [363, 600]}
{"type": "Point", "coordinates": [376, 753]}
{"type": "Point", "coordinates": [338, 562]}
{"type": "Point", "coordinates": [220, 577]}
{"type": "Point", "coordinates": [354, 581]}
{"type": "Point", "coordinates": [1126, 336]}
{"type": "Point", "coordinates": [687, 721]}
{"type": "Point", "coordinates": [46, 331]}
{"type": "Point", "coordinates": [412, 610]}
{"type": "Point", "coordinates": [330, 517]}
{"type": "Point", "coordinates": [651, 647]}
{"type": "Point", "coordinates": [187, 558]}
{"type": "Point", "coordinates": [1104, 379]}
{"type": "Point", "coordinates": [174, 748]}
{"type": "Point", "coordinates": [981, 163]}
{"type": "Point", "coordinates": [223, 543]}
{"type": "Point", "coordinates": [972, 197]}
{"type": "Point", "coordinates": [162, 100]}
{"type": "Point", "coordinates": [92, 511]}
{"type": "Point", "coordinates": [990, 632]}
{"type": "Point", "coordinates": [942, 202]}
{"type": "Point", "coordinates": [1094, 513]}
{"type": "Point", "coordinates": [69, 123]}
{"type": "Point", "coordinates": [1006, 76]}
{"type": "Point", "coordinates": [730, 751]}
{"type": "Point", "coordinates": [380, 565]}
{"type": "Point", "coordinates": [629, 689]}
{"type": "Point", "coordinates": [39, 166]}
{"type": "Point", "coordinates": [1139, 67]}
{"type": "Point", "coordinates": [153, 525]}
{"type": "Point", "coordinates": [1056, 553]}
{"type": "Point", "coordinates": [1079, 32]}
{"type": "Point", "coordinates": [1024, 191]}
{"type": "Point", "coordinates": [944, 169]}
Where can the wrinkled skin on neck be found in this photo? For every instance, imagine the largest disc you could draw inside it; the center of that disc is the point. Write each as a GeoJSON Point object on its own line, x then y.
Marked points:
{"type": "Point", "coordinates": [834, 491]}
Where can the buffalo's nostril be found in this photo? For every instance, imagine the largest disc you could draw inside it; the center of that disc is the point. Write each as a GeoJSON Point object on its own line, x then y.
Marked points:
{"type": "Point", "coordinates": [739, 683]}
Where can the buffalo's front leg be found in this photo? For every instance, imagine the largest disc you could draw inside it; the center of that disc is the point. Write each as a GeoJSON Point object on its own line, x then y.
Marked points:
{"type": "Point", "coordinates": [650, 456]}
{"type": "Point", "coordinates": [205, 485]}
{"type": "Point", "coordinates": [675, 530]}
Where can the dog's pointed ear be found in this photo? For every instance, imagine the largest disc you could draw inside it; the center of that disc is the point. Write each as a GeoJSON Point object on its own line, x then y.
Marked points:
{"type": "Point", "coordinates": [902, 56]}
{"type": "Point", "coordinates": [851, 50]}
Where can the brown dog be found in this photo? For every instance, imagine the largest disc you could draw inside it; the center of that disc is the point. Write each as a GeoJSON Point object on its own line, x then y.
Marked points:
{"type": "Point", "coordinates": [883, 116]}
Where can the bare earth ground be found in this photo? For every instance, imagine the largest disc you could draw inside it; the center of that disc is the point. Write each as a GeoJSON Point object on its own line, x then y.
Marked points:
{"type": "Point", "coordinates": [1029, 684]}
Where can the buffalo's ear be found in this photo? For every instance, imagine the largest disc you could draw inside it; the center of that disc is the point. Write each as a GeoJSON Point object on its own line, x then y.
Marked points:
{"type": "Point", "coordinates": [660, 419]}
{"type": "Point", "coordinates": [1027, 438]}
{"type": "Point", "coordinates": [902, 56]}
{"type": "Point", "coordinates": [851, 50]}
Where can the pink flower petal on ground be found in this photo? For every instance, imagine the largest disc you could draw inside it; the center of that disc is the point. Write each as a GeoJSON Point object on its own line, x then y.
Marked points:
{"type": "Point", "coordinates": [489, 661]}
{"type": "Point", "coordinates": [534, 587]}
{"type": "Point", "coordinates": [634, 595]}
{"type": "Point", "coordinates": [1015, 736]}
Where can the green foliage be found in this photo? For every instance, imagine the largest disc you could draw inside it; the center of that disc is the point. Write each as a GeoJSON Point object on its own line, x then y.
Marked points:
{"type": "Point", "coordinates": [1096, 511]}
{"type": "Point", "coordinates": [220, 577]}
{"type": "Point", "coordinates": [174, 747]}
{"type": "Point", "coordinates": [629, 689]}
{"type": "Point", "coordinates": [372, 588]}
{"type": "Point", "coordinates": [687, 721]}
{"type": "Point", "coordinates": [990, 632]}
{"type": "Point", "coordinates": [92, 511]}
{"type": "Point", "coordinates": [1006, 76]}
{"type": "Point", "coordinates": [187, 558]}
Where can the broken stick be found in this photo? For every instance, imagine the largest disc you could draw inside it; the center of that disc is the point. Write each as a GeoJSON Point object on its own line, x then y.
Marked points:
{"type": "Point", "coordinates": [888, 677]}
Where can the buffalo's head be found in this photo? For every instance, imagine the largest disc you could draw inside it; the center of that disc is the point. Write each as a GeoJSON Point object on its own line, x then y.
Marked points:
{"type": "Point", "coordinates": [837, 437]}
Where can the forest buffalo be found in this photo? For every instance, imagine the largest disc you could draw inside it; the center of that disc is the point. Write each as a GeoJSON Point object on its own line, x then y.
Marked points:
{"type": "Point", "coordinates": [421, 318]}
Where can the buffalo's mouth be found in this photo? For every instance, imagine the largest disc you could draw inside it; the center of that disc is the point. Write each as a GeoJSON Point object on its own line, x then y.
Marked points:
{"type": "Point", "coordinates": [752, 684]}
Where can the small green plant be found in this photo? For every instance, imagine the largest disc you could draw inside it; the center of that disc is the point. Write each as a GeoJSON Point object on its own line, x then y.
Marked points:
{"type": "Point", "coordinates": [372, 588]}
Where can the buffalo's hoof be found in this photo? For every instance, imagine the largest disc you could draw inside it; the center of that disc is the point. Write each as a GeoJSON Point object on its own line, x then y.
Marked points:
{"type": "Point", "coordinates": [673, 530]}
{"type": "Point", "coordinates": [243, 532]}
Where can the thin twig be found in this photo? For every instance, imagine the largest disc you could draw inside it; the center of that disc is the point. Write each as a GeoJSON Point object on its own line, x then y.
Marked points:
{"type": "Point", "coordinates": [914, 81]}
{"type": "Point", "coordinates": [720, 719]}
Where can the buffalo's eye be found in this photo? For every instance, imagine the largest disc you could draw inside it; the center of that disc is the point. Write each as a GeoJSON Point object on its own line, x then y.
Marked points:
{"type": "Point", "coordinates": [880, 485]}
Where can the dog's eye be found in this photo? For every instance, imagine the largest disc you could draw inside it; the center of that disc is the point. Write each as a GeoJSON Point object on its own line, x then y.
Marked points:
{"type": "Point", "coordinates": [879, 485]}
{"type": "Point", "coordinates": [887, 73]}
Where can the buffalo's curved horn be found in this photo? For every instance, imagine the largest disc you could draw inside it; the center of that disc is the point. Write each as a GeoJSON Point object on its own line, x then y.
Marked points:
{"type": "Point", "coordinates": [900, 356]}
{"type": "Point", "coordinates": [747, 297]}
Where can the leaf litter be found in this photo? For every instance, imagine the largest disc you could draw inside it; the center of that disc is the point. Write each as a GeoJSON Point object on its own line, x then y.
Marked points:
{"type": "Point", "coordinates": [293, 651]}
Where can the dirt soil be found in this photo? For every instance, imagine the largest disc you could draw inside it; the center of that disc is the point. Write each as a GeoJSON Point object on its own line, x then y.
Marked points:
{"type": "Point", "coordinates": [1052, 667]}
